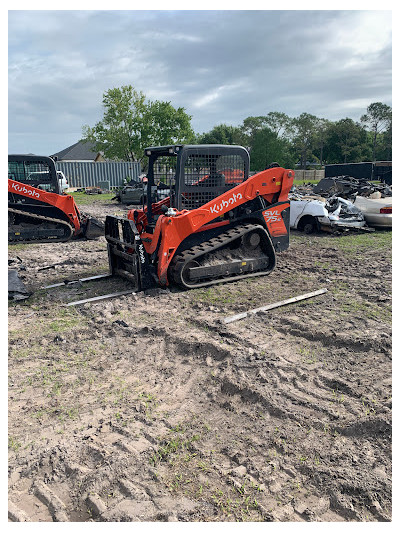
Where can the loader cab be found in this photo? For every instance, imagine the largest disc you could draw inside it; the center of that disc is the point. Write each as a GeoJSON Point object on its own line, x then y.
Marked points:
{"type": "Point", "coordinates": [37, 171]}
{"type": "Point", "coordinates": [193, 175]}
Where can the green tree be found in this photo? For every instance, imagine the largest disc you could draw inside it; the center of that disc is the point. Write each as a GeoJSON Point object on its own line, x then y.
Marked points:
{"type": "Point", "coordinates": [303, 137]}
{"type": "Point", "coordinates": [253, 124]}
{"type": "Point", "coordinates": [130, 124]}
{"type": "Point", "coordinates": [347, 142]}
{"type": "Point", "coordinates": [384, 145]}
{"type": "Point", "coordinates": [377, 119]}
{"type": "Point", "coordinates": [222, 134]}
{"type": "Point", "coordinates": [320, 138]}
{"type": "Point", "coordinates": [279, 123]}
{"type": "Point", "coordinates": [249, 129]}
{"type": "Point", "coordinates": [267, 148]}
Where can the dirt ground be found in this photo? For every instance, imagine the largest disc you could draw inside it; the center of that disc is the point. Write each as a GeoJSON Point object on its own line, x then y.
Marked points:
{"type": "Point", "coordinates": [150, 408]}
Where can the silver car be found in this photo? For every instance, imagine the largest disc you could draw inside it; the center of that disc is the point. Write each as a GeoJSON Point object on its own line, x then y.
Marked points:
{"type": "Point", "coordinates": [377, 211]}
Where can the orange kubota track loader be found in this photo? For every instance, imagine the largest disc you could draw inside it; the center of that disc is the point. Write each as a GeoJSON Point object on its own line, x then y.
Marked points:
{"type": "Point", "coordinates": [216, 223]}
{"type": "Point", "coordinates": [37, 209]}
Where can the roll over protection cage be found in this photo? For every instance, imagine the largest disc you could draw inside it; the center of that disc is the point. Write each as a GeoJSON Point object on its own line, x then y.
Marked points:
{"type": "Point", "coordinates": [202, 173]}
{"type": "Point", "coordinates": [18, 165]}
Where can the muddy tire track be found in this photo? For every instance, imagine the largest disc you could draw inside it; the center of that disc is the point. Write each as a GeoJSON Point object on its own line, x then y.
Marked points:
{"type": "Point", "coordinates": [149, 408]}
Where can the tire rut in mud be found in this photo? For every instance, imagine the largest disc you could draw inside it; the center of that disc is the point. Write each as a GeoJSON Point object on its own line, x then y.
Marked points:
{"type": "Point", "coordinates": [154, 460]}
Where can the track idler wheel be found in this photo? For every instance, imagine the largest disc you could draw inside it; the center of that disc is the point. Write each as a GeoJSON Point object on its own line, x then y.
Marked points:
{"type": "Point", "coordinates": [251, 240]}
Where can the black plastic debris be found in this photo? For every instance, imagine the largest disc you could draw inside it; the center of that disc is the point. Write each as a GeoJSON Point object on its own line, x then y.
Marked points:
{"type": "Point", "coordinates": [16, 287]}
{"type": "Point", "coordinates": [121, 323]}
{"type": "Point", "coordinates": [349, 187]}
{"type": "Point", "coordinates": [15, 259]}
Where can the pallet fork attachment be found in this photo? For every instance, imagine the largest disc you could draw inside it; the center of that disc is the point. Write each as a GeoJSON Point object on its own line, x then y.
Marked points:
{"type": "Point", "coordinates": [127, 259]}
{"type": "Point", "coordinates": [126, 253]}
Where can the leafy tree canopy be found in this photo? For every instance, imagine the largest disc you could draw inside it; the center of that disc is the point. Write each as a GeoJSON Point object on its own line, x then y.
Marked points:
{"type": "Point", "coordinates": [303, 136]}
{"type": "Point", "coordinates": [377, 119]}
{"type": "Point", "coordinates": [130, 124]}
{"type": "Point", "coordinates": [222, 134]}
{"type": "Point", "coordinates": [347, 142]}
{"type": "Point", "coordinates": [267, 148]}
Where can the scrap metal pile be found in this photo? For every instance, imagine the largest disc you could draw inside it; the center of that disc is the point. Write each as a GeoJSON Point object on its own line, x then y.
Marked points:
{"type": "Point", "coordinates": [349, 187]}
{"type": "Point", "coordinates": [337, 204]}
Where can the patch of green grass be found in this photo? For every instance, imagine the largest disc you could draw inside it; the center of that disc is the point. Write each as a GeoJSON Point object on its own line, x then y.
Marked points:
{"type": "Point", "coordinates": [13, 443]}
{"type": "Point", "coordinates": [64, 320]}
{"type": "Point", "coordinates": [212, 295]}
{"type": "Point", "coordinates": [357, 306]}
{"type": "Point", "coordinates": [353, 244]}
{"type": "Point", "coordinates": [367, 309]}
{"type": "Point", "coordinates": [60, 412]}
{"type": "Point", "coordinates": [178, 441]}
{"type": "Point", "coordinates": [82, 198]}
{"type": "Point", "coordinates": [149, 401]}
{"type": "Point", "coordinates": [13, 248]}
{"type": "Point", "coordinates": [324, 265]}
{"type": "Point", "coordinates": [34, 301]}
{"type": "Point", "coordinates": [299, 183]}
{"type": "Point", "coordinates": [189, 468]}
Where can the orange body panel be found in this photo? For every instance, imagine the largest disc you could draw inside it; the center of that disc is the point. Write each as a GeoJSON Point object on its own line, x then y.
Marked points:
{"type": "Point", "coordinates": [274, 221]}
{"type": "Point", "coordinates": [63, 202]}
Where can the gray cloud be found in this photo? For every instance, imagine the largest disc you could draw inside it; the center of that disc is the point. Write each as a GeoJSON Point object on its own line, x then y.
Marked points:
{"type": "Point", "coordinates": [222, 66]}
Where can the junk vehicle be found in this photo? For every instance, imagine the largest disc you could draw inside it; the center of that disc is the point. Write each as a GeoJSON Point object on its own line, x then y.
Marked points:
{"type": "Point", "coordinates": [377, 211]}
{"type": "Point", "coordinates": [135, 193]}
{"type": "Point", "coordinates": [217, 224]}
{"type": "Point", "coordinates": [132, 193]}
{"type": "Point", "coordinates": [64, 185]}
{"type": "Point", "coordinates": [310, 214]}
{"type": "Point", "coordinates": [374, 200]}
{"type": "Point", "coordinates": [37, 209]}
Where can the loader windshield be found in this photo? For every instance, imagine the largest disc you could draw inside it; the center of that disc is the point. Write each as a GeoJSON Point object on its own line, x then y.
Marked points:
{"type": "Point", "coordinates": [164, 170]}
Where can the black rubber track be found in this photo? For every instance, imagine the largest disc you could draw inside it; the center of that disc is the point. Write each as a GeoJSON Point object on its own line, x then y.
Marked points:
{"type": "Point", "coordinates": [14, 231]}
{"type": "Point", "coordinates": [182, 260]}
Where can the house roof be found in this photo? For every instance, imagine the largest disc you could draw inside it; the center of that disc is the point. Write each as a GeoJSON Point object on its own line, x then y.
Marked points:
{"type": "Point", "coordinates": [80, 151]}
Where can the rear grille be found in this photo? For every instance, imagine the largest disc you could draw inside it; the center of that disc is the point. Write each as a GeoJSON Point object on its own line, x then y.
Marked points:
{"type": "Point", "coordinates": [208, 176]}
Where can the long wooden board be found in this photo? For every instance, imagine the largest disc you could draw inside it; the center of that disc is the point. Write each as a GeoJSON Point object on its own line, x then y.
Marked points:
{"type": "Point", "coordinates": [239, 316]}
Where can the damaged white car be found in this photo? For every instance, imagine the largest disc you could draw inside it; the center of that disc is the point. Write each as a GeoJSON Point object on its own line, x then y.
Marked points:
{"type": "Point", "coordinates": [310, 214]}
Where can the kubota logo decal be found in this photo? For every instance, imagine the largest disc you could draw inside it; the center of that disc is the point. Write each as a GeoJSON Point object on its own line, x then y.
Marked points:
{"type": "Point", "coordinates": [23, 189]}
{"type": "Point", "coordinates": [217, 208]}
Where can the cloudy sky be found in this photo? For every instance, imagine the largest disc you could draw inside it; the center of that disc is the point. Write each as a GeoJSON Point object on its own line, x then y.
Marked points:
{"type": "Point", "coordinates": [221, 66]}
